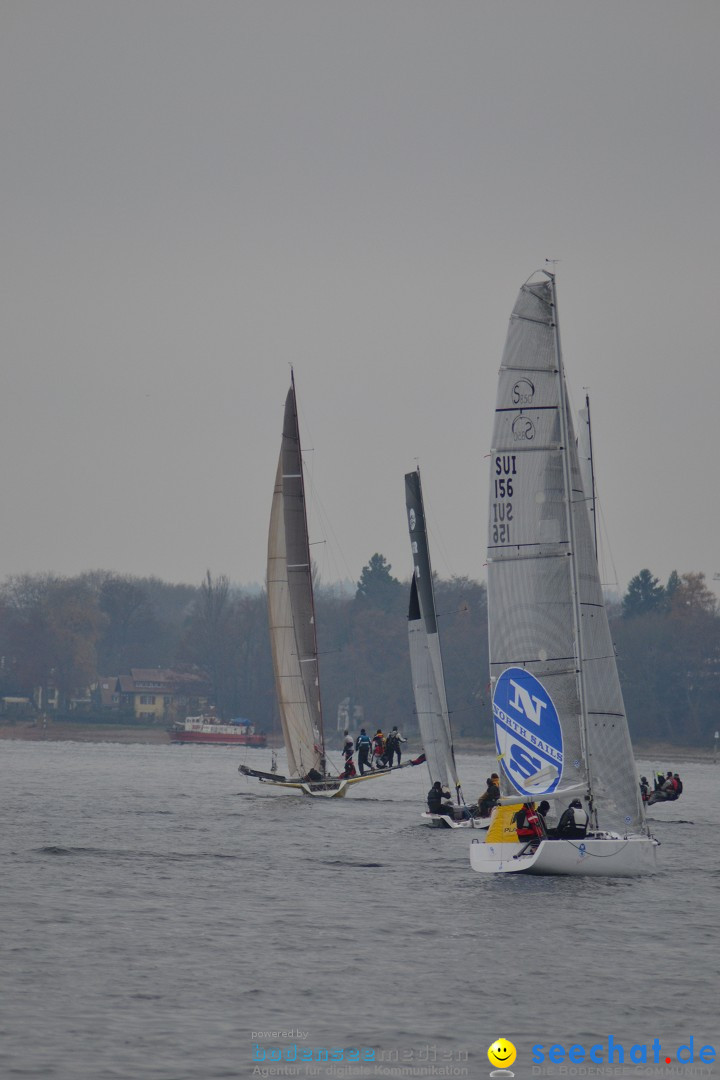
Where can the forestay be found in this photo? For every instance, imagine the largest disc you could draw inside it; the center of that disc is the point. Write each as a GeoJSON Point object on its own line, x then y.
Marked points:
{"type": "Point", "coordinates": [558, 710]}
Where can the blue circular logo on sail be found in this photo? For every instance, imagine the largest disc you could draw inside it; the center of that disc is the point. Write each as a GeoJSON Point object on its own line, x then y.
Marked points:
{"type": "Point", "coordinates": [528, 735]}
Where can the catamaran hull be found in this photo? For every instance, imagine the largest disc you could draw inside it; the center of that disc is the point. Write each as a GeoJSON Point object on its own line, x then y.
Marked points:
{"type": "Point", "coordinates": [599, 857]}
{"type": "Point", "coordinates": [443, 821]}
{"type": "Point", "coordinates": [329, 788]}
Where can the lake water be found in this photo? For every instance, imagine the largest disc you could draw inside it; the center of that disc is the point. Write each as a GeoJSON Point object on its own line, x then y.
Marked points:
{"type": "Point", "coordinates": [161, 912]}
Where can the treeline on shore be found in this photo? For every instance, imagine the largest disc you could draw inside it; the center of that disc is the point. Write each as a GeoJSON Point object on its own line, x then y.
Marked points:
{"type": "Point", "coordinates": [68, 632]}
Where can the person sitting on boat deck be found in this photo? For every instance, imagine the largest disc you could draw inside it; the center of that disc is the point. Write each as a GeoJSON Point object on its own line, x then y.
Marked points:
{"type": "Point", "coordinates": [490, 796]}
{"type": "Point", "coordinates": [363, 747]}
{"type": "Point", "coordinates": [668, 788]}
{"type": "Point", "coordinates": [573, 823]}
{"type": "Point", "coordinates": [349, 770]}
{"type": "Point", "coordinates": [528, 824]}
{"type": "Point", "coordinates": [378, 750]}
{"type": "Point", "coordinates": [439, 800]}
{"type": "Point", "coordinates": [348, 745]}
{"type": "Point", "coordinates": [668, 792]}
{"type": "Point", "coordinates": [658, 781]}
{"type": "Point", "coordinates": [672, 790]}
{"type": "Point", "coordinates": [542, 813]}
{"type": "Point", "coordinates": [392, 746]}
{"type": "Point", "coordinates": [678, 784]}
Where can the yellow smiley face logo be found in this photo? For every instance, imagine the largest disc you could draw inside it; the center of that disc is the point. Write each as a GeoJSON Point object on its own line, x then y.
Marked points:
{"type": "Point", "coordinates": [502, 1053]}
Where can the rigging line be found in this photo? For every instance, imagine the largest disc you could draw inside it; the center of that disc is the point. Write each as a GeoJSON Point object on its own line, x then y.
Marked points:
{"type": "Point", "coordinates": [335, 548]}
{"type": "Point", "coordinates": [604, 543]}
{"type": "Point", "coordinates": [435, 533]}
{"type": "Point", "coordinates": [335, 555]}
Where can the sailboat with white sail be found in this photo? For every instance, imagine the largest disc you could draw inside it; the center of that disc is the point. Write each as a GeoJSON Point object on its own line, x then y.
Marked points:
{"type": "Point", "coordinates": [426, 665]}
{"type": "Point", "coordinates": [293, 637]}
{"type": "Point", "coordinates": [560, 725]}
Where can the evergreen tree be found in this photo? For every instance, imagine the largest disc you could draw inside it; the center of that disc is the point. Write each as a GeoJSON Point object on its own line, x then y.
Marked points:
{"type": "Point", "coordinates": [670, 589]}
{"type": "Point", "coordinates": [645, 594]}
{"type": "Point", "coordinates": [377, 588]}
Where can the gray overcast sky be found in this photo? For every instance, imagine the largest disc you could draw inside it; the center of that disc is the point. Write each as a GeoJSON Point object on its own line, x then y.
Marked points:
{"type": "Point", "coordinates": [198, 193]}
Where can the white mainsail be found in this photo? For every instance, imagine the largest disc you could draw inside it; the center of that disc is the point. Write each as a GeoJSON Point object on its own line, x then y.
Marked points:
{"type": "Point", "coordinates": [425, 655]}
{"type": "Point", "coordinates": [558, 710]}
{"type": "Point", "coordinates": [291, 609]}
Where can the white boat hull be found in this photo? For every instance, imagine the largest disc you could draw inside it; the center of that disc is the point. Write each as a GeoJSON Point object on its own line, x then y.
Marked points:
{"type": "Point", "coordinates": [600, 857]}
{"type": "Point", "coordinates": [444, 821]}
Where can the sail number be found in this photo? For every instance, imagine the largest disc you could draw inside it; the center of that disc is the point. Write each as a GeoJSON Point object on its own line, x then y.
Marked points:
{"type": "Point", "coordinates": [502, 509]}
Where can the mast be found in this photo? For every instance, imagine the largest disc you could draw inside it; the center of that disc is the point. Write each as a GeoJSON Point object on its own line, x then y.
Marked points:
{"type": "Point", "coordinates": [314, 658]}
{"type": "Point", "coordinates": [570, 519]}
{"type": "Point", "coordinates": [592, 474]}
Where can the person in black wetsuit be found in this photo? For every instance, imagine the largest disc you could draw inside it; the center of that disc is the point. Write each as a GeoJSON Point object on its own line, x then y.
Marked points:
{"type": "Point", "coordinates": [438, 800]}
{"type": "Point", "coordinates": [393, 746]}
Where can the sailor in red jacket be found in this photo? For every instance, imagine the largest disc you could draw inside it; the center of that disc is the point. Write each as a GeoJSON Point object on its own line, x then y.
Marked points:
{"type": "Point", "coordinates": [528, 824]}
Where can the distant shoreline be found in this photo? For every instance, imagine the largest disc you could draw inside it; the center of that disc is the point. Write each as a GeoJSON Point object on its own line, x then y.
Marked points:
{"type": "Point", "coordinates": [60, 731]}
{"type": "Point", "coordinates": [663, 755]}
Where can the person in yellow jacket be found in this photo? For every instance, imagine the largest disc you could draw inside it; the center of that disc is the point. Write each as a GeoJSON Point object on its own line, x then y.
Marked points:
{"type": "Point", "coordinates": [378, 750]}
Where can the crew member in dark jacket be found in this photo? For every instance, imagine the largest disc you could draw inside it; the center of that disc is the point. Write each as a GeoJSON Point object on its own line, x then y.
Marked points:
{"type": "Point", "coordinates": [542, 813]}
{"type": "Point", "coordinates": [490, 796]}
{"type": "Point", "coordinates": [438, 800]}
{"type": "Point", "coordinates": [363, 747]}
{"type": "Point", "coordinates": [573, 823]}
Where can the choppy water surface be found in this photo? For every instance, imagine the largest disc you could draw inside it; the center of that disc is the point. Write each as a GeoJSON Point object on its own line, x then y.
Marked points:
{"type": "Point", "coordinates": [158, 908]}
